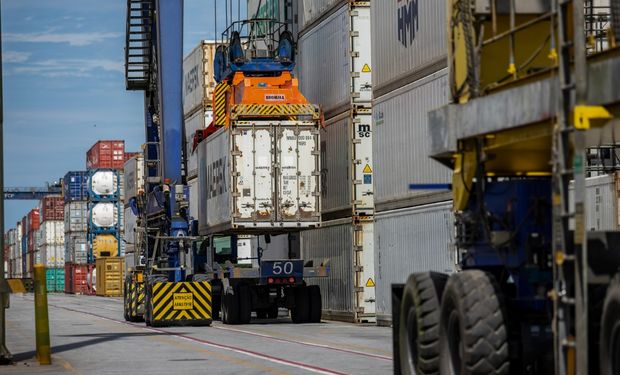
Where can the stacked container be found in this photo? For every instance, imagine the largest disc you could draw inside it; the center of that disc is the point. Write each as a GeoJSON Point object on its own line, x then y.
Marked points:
{"type": "Point", "coordinates": [75, 193]}
{"type": "Point", "coordinates": [413, 228]}
{"type": "Point", "coordinates": [134, 186]}
{"type": "Point", "coordinates": [33, 224]}
{"type": "Point", "coordinates": [104, 214]}
{"type": "Point", "coordinates": [51, 242]}
{"type": "Point", "coordinates": [106, 154]}
{"type": "Point", "coordinates": [334, 69]}
{"type": "Point", "coordinates": [198, 86]}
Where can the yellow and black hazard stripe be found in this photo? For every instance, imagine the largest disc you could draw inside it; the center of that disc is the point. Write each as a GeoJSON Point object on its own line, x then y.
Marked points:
{"type": "Point", "coordinates": [181, 303]}
{"type": "Point", "coordinates": [271, 110]}
{"type": "Point", "coordinates": [138, 301]}
{"type": "Point", "coordinates": [219, 103]}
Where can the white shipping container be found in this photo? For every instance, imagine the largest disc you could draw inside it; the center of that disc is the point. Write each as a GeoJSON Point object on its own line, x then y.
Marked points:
{"type": "Point", "coordinates": [51, 232]}
{"type": "Point", "coordinates": [408, 36]}
{"type": "Point", "coordinates": [601, 203]}
{"type": "Point", "coordinates": [131, 221]}
{"type": "Point", "coordinates": [199, 120]}
{"type": "Point", "coordinates": [313, 10]}
{"type": "Point", "coordinates": [347, 292]}
{"type": "Point", "coordinates": [133, 181]}
{"type": "Point", "coordinates": [76, 216]}
{"type": "Point", "coordinates": [198, 79]}
{"type": "Point", "coordinates": [257, 175]}
{"type": "Point", "coordinates": [193, 198]}
{"type": "Point", "coordinates": [17, 267]}
{"type": "Point", "coordinates": [415, 239]}
{"type": "Point", "coordinates": [342, 75]}
{"type": "Point", "coordinates": [104, 182]}
{"type": "Point", "coordinates": [401, 140]}
{"type": "Point", "coordinates": [52, 255]}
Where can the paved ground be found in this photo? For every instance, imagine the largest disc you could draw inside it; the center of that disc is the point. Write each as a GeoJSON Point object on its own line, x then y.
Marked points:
{"type": "Point", "coordinates": [89, 336]}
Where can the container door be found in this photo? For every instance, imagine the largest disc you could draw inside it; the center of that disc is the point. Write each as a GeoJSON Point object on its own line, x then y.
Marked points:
{"type": "Point", "coordinates": [252, 171]}
{"type": "Point", "coordinates": [298, 174]}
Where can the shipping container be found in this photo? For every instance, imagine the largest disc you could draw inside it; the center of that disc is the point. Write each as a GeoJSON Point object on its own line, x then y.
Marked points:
{"type": "Point", "coordinates": [51, 255]}
{"type": "Point", "coordinates": [198, 78]}
{"type": "Point", "coordinates": [76, 278]}
{"type": "Point", "coordinates": [52, 208]}
{"type": "Point", "coordinates": [313, 11]}
{"type": "Point", "coordinates": [416, 239]}
{"type": "Point", "coordinates": [347, 247]}
{"type": "Point", "coordinates": [129, 155]}
{"type": "Point", "coordinates": [109, 279]}
{"type": "Point", "coordinates": [52, 232]}
{"type": "Point", "coordinates": [106, 154]}
{"type": "Point", "coordinates": [104, 215]}
{"type": "Point", "coordinates": [259, 177]}
{"type": "Point", "coordinates": [76, 216]}
{"type": "Point", "coordinates": [75, 186]}
{"type": "Point", "coordinates": [105, 245]}
{"type": "Point", "coordinates": [601, 203]}
{"type": "Point", "coordinates": [129, 234]}
{"type": "Point", "coordinates": [76, 247]}
{"type": "Point", "coordinates": [282, 11]}
{"type": "Point", "coordinates": [55, 279]}
{"type": "Point", "coordinates": [408, 42]}
{"type": "Point", "coordinates": [35, 217]}
{"type": "Point", "coordinates": [193, 198]}
{"type": "Point", "coordinates": [401, 144]}
{"type": "Point", "coordinates": [104, 184]}
{"type": "Point", "coordinates": [198, 120]}
{"type": "Point", "coordinates": [341, 77]}
{"type": "Point", "coordinates": [133, 178]}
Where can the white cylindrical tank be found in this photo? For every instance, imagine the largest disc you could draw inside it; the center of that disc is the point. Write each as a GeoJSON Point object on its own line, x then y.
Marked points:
{"type": "Point", "coordinates": [104, 183]}
{"type": "Point", "coordinates": [104, 215]}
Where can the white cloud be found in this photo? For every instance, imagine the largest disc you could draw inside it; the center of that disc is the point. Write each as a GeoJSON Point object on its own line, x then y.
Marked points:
{"type": "Point", "coordinates": [15, 56]}
{"type": "Point", "coordinates": [73, 39]}
{"type": "Point", "coordinates": [70, 67]}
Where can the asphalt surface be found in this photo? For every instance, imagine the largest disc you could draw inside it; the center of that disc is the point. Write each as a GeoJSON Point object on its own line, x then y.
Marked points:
{"type": "Point", "coordinates": [89, 336]}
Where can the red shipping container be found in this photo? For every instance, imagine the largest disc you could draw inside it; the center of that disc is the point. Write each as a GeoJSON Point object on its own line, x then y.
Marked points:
{"type": "Point", "coordinates": [76, 278]}
{"type": "Point", "coordinates": [34, 220]}
{"type": "Point", "coordinates": [129, 155]}
{"type": "Point", "coordinates": [52, 208]}
{"type": "Point", "coordinates": [106, 154]}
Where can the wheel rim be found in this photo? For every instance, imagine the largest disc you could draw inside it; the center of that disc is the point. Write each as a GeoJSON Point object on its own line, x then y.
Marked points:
{"type": "Point", "coordinates": [614, 348]}
{"type": "Point", "coordinates": [412, 338]}
{"type": "Point", "coordinates": [454, 343]}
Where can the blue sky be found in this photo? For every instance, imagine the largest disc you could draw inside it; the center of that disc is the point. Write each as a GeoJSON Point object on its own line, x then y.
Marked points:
{"type": "Point", "coordinates": [64, 85]}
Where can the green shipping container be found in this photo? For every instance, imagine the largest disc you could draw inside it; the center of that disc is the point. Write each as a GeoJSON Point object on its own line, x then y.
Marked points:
{"type": "Point", "coordinates": [55, 278]}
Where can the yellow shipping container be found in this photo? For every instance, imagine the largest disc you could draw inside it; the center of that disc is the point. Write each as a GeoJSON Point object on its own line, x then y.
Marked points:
{"type": "Point", "coordinates": [110, 274]}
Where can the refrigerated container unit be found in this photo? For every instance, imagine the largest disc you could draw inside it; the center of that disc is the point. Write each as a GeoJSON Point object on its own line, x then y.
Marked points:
{"type": "Point", "coordinates": [401, 145]}
{"type": "Point", "coordinates": [106, 154]}
{"type": "Point", "coordinates": [198, 120]}
{"type": "Point", "coordinates": [313, 11]}
{"type": "Point", "coordinates": [75, 186]}
{"type": "Point", "coordinates": [198, 78]}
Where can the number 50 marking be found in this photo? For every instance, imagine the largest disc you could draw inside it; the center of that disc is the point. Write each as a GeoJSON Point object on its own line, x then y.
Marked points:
{"type": "Point", "coordinates": [282, 267]}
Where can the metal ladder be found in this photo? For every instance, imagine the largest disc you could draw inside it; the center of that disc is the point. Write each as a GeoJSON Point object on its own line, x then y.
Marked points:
{"type": "Point", "coordinates": [569, 251]}
{"type": "Point", "coordinates": [138, 48]}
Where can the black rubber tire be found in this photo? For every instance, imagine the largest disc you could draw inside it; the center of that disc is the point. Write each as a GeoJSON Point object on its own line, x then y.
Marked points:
{"type": "Point", "coordinates": [419, 323]}
{"type": "Point", "coordinates": [230, 309]}
{"type": "Point", "coordinates": [609, 348]}
{"type": "Point", "coordinates": [473, 335]}
{"type": "Point", "coordinates": [316, 305]}
{"type": "Point", "coordinates": [126, 305]}
{"type": "Point", "coordinates": [261, 314]}
{"type": "Point", "coordinates": [301, 311]}
{"type": "Point", "coordinates": [244, 296]}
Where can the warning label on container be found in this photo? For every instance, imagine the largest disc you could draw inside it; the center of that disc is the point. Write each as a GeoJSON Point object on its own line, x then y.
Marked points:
{"type": "Point", "coordinates": [370, 283]}
{"type": "Point", "coordinates": [367, 169]}
{"type": "Point", "coordinates": [183, 301]}
{"type": "Point", "coordinates": [366, 68]}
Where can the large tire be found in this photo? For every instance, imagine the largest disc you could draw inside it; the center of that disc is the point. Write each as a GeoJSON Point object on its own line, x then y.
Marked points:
{"type": "Point", "coordinates": [419, 323]}
{"type": "Point", "coordinates": [244, 296]}
{"type": "Point", "coordinates": [230, 309]}
{"type": "Point", "coordinates": [316, 305]}
{"type": "Point", "coordinates": [272, 312]}
{"type": "Point", "coordinates": [609, 349]}
{"type": "Point", "coordinates": [301, 311]}
{"type": "Point", "coordinates": [473, 331]}
{"type": "Point", "coordinates": [126, 303]}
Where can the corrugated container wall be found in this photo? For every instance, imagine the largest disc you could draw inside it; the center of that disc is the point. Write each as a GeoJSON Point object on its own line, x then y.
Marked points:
{"type": "Point", "coordinates": [411, 240]}
{"type": "Point", "coordinates": [198, 79]}
{"type": "Point", "coordinates": [75, 186]}
{"type": "Point", "coordinates": [401, 146]}
{"type": "Point", "coordinates": [130, 224]}
{"type": "Point", "coordinates": [408, 41]}
{"type": "Point", "coordinates": [52, 208]}
{"type": "Point", "coordinates": [335, 80]}
{"type": "Point", "coordinates": [76, 217]}
{"type": "Point", "coordinates": [312, 11]}
{"type": "Point", "coordinates": [76, 247]}
{"type": "Point", "coordinates": [133, 177]}
{"type": "Point", "coordinates": [602, 203]}
{"type": "Point", "coordinates": [106, 154]}
{"type": "Point", "coordinates": [199, 120]}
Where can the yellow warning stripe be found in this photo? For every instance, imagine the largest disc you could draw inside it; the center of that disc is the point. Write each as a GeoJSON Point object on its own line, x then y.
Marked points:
{"type": "Point", "coordinates": [166, 303]}
{"type": "Point", "coordinates": [219, 103]}
{"type": "Point", "coordinates": [163, 301]}
{"type": "Point", "coordinates": [199, 298]}
{"type": "Point", "coordinates": [244, 110]}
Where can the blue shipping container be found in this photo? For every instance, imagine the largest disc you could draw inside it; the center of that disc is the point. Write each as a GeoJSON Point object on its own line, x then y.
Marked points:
{"type": "Point", "coordinates": [75, 186]}
{"type": "Point", "coordinates": [24, 245]}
